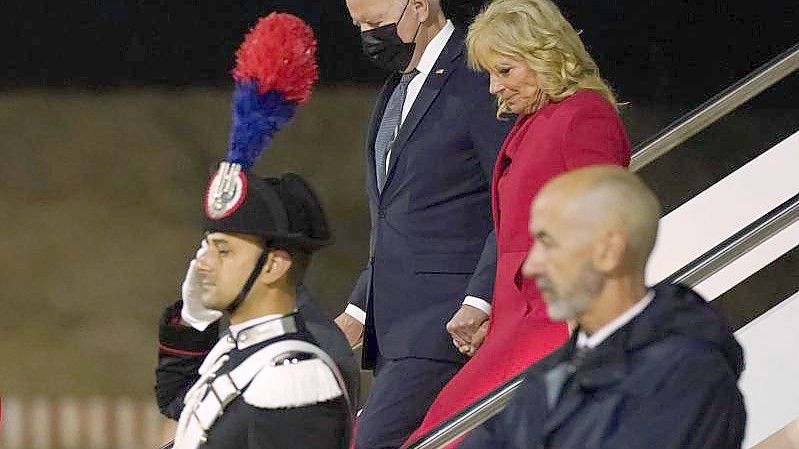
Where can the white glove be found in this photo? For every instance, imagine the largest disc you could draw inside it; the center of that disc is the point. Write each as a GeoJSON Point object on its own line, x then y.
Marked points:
{"type": "Point", "coordinates": [193, 311]}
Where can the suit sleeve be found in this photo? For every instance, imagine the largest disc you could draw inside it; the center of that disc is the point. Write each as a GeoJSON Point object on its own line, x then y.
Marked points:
{"type": "Point", "coordinates": [358, 295]}
{"type": "Point", "coordinates": [487, 133]}
{"type": "Point", "coordinates": [481, 285]}
{"type": "Point", "coordinates": [698, 406]}
{"type": "Point", "coordinates": [595, 136]}
{"type": "Point", "coordinates": [181, 350]}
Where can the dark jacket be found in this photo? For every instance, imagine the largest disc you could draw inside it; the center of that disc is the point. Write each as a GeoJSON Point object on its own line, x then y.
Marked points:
{"type": "Point", "coordinates": [665, 380]}
{"type": "Point", "coordinates": [431, 223]}
{"type": "Point", "coordinates": [290, 416]}
{"type": "Point", "coordinates": [182, 350]}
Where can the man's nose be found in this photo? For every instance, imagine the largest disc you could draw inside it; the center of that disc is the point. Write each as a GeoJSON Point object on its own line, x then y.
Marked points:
{"type": "Point", "coordinates": [203, 262]}
{"type": "Point", "coordinates": [532, 264]}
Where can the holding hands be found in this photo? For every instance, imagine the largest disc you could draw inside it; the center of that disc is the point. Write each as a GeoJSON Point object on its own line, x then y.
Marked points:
{"type": "Point", "coordinates": [352, 328]}
{"type": "Point", "coordinates": [468, 328]}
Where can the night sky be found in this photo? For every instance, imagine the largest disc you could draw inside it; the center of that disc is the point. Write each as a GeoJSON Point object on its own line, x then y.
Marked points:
{"type": "Point", "coordinates": [647, 49]}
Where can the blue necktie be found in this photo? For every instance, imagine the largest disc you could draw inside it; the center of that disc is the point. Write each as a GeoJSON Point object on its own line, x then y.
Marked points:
{"type": "Point", "coordinates": [389, 126]}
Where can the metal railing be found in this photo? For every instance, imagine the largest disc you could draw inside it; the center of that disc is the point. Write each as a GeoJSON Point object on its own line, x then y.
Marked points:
{"type": "Point", "coordinates": [692, 274]}
{"type": "Point", "coordinates": [715, 108]}
{"type": "Point", "coordinates": [471, 417]}
{"type": "Point", "coordinates": [737, 245]}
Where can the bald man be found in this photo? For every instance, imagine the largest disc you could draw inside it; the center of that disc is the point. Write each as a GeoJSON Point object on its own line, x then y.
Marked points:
{"type": "Point", "coordinates": [645, 368]}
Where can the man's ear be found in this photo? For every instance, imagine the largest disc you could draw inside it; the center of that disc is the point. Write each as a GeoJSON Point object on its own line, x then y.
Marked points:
{"type": "Point", "coordinates": [422, 9]}
{"type": "Point", "coordinates": [278, 263]}
{"type": "Point", "coordinates": [609, 251]}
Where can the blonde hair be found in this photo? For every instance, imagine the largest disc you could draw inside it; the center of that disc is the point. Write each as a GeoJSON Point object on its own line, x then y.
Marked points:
{"type": "Point", "coordinates": [535, 31]}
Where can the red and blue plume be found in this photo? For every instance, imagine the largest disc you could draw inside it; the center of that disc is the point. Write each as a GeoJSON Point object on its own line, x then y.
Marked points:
{"type": "Point", "coordinates": [275, 71]}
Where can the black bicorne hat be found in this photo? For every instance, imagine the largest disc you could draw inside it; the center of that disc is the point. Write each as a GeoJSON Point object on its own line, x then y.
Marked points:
{"type": "Point", "coordinates": [284, 211]}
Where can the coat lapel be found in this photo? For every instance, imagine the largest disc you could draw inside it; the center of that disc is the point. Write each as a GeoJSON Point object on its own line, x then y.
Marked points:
{"type": "Point", "coordinates": [374, 124]}
{"type": "Point", "coordinates": [559, 403]}
{"type": "Point", "coordinates": [503, 162]}
{"type": "Point", "coordinates": [442, 69]}
{"type": "Point", "coordinates": [602, 368]}
{"type": "Point", "coordinates": [499, 169]}
{"type": "Point", "coordinates": [567, 405]}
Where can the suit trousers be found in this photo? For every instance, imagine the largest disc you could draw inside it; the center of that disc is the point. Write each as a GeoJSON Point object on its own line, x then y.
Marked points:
{"type": "Point", "coordinates": [401, 393]}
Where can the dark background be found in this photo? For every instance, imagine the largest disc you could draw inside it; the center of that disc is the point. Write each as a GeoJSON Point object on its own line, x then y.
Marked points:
{"type": "Point", "coordinates": [112, 112]}
{"type": "Point", "coordinates": [674, 50]}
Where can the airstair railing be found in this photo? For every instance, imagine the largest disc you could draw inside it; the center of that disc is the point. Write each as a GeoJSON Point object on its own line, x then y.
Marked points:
{"type": "Point", "coordinates": [470, 417]}
{"type": "Point", "coordinates": [715, 108]}
{"type": "Point", "coordinates": [693, 273]}
{"type": "Point", "coordinates": [738, 244]}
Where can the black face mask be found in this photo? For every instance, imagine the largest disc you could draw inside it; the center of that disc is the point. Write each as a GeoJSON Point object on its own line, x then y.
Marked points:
{"type": "Point", "coordinates": [384, 47]}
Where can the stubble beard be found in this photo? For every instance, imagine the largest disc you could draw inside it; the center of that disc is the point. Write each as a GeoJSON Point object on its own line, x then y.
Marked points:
{"type": "Point", "coordinates": [211, 300]}
{"type": "Point", "coordinates": [570, 304]}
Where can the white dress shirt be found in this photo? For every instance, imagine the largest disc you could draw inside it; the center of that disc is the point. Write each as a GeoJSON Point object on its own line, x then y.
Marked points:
{"type": "Point", "coordinates": [236, 328]}
{"type": "Point", "coordinates": [425, 66]}
{"type": "Point", "coordinates": [584, 341]}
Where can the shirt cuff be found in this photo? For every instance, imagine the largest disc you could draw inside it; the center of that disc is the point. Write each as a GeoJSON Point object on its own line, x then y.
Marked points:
{"type": "Point", "coordinates": [356, 312]}
{"type": "Point", "coordinates": [478, 303]}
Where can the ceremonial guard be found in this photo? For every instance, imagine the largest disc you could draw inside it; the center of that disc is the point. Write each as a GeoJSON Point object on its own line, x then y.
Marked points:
{"type": "Point", "coordinates": [266, 383]}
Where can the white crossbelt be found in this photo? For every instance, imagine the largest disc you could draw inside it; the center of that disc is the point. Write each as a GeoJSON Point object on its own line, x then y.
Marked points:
{"type": "Point", "coordinates": [200, 414]}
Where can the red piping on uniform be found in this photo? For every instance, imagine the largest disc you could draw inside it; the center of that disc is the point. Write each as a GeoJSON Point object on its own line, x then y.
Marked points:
{"type": "Point", "coordinates": [166, 348]}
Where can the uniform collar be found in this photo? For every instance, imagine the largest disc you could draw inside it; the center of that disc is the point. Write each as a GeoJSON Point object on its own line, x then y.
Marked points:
{"type": "Point", "coordinates": [257, 330]}
{"type": "Point", "coordinates": [434, 48]}
{"type": "Point", "coordinates": [584, 341]}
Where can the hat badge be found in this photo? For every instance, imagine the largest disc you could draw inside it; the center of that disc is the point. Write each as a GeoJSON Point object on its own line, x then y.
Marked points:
{"type": "Point", "coordinates": [226, 191]}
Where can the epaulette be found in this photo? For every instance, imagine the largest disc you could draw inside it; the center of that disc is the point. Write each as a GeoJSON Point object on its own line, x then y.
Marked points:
{"type": "Point", "coordinates": [284, 374]}
{"type": "Point", "coordinates": [293, 379]}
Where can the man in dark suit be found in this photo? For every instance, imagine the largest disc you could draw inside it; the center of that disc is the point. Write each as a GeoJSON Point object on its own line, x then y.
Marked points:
{"type": "Point", "coordinates": [645, 368]}
{"type": "Point", "coordinates": [431, 147]}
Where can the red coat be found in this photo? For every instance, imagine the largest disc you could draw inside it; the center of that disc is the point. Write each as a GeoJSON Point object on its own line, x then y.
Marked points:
{"type": "Point", "coordinates": [583, 129]}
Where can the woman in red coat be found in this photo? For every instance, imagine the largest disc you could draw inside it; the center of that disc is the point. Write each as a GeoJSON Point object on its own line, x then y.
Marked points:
{"type": "Point", "coordinates": [567, 119]}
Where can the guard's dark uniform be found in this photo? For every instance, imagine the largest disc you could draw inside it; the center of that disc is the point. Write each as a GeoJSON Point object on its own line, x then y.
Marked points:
{"type": "Point", "coordinates": [182, 350]}
{"type": "Point", "coordinates": [269, 386]}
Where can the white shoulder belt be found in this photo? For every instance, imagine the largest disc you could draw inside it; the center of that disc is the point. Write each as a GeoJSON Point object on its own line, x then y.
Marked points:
{"type": "Point", "coordinates": [206, 400]}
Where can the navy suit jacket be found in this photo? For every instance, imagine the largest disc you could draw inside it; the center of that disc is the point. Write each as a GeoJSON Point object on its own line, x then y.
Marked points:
{"type": "Point", "coordinates": [431, 242]}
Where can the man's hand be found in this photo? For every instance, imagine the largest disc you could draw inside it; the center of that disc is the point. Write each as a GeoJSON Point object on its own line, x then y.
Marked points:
{"type": "Point", "coordinates": [478, 337]}
{"type": "Point", "coordinates": [194, 313]}
{"type": "Point", "coordinates": [468, 328]}
{"type": "Point", "coordinates": [352, 328]}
